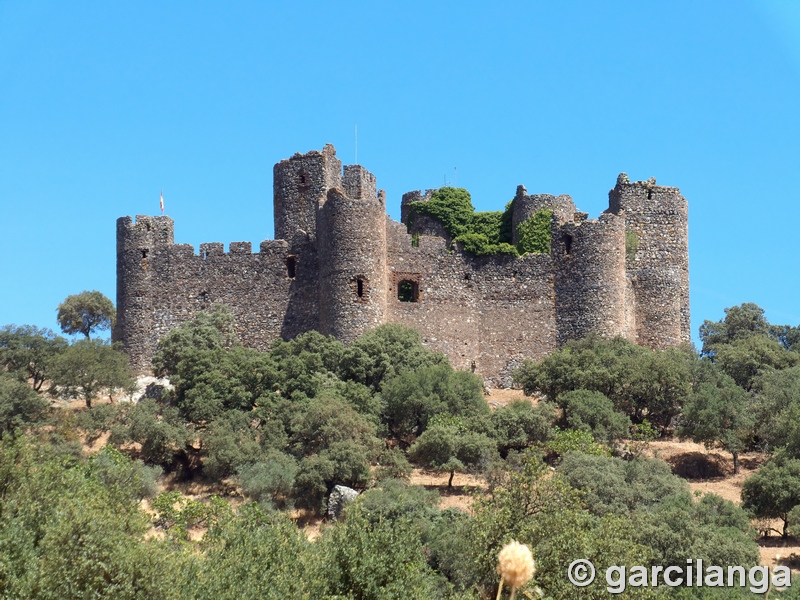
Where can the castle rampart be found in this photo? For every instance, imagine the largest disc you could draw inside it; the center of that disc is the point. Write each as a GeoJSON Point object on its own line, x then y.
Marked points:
{"type": "Point", "coordinates": [340, 265]}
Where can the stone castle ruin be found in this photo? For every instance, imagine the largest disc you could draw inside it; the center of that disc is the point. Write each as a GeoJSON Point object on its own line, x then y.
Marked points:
{"type": "Point", "coordinates": [340, 265]}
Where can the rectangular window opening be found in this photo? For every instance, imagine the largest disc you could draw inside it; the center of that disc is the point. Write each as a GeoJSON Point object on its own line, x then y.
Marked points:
{"type": "Point", "coordinates": [408, 291]}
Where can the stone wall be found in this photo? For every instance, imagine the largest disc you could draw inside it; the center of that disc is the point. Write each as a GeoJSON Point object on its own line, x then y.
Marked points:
{"type": "Point", "coordinates": [485, 313]}
{"type": "Point", "coordinates": [168, 286]}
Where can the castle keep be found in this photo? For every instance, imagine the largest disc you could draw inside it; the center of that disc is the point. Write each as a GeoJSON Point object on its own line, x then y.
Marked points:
{"type": "Point", "coordinates": [340, 265]}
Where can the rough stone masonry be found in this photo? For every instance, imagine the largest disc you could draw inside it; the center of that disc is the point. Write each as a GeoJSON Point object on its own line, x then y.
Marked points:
{"type": "Point", "coordinates": [340, 266]}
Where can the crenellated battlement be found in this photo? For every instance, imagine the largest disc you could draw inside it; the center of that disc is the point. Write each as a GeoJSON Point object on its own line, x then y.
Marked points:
{"type": "Point", "coordinates": [340, 265]}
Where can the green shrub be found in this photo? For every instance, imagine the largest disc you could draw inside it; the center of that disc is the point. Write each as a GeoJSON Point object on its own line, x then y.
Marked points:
{"type": "Point", "coordinates": [20, 406]}
{"type": "Point", "coordinates": [520, 424]}
{"type": "Point", "coordinates": [574, 440]}
{"type": "Point", "coordinates": [613, 485]}
{"type": "Point", "coordinates": [481, 233]}
{"type": "Point", "coordinates": [393, 464]}
{"type": "Point", "coordinates": [123, 477]}
{"type": "Point", "coordinates": [270, 480]}
{"type": "Point", "coordinates": [594, 412]}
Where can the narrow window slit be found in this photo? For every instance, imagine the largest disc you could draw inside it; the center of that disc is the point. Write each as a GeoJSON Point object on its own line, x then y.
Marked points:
{"type": "Point", "coordinates": [291, 266]}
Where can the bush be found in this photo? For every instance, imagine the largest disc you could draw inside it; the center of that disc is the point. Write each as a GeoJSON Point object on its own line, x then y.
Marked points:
{"type": "Point", "coordinates": [393, 464]}
{"type": "Point", "coordinates": [612, 485]}
{"type": "Point", "coordinates": [593, 412]}
{"type": "Point", "coordinates": [520, 424]}
{"type": "Point", "coordinates": [394, 500]}
{"type": "Point", "coordinates": [480, 233]}
{"type": "Point", "coordinates": [574, 440]}
{"type": "Point", "coordinates": [631, 244]}
{"type": "Point", "coordinates": [270, 480]}
{"type": "Point", "coordinates": [126, 479]}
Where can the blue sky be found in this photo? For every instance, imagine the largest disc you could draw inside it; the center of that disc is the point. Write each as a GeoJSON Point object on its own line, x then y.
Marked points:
{"type": "Point", "coordinates": [103, 105]}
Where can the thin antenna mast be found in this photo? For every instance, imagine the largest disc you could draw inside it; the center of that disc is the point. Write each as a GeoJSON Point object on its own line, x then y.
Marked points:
{"type": "Point", "coordinates": [356, 144]}
{"type": "Point", "coordinates": [455, 176]}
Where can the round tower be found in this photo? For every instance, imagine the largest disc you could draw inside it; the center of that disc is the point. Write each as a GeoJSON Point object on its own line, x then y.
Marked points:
{"type": "Point", "coordinates": [589, 277]}
{"type": "Point", "coordinates": [300, 184]}
{"type": "Point", "coordinates": [525, 206]}
{"type": "Point", "coordinates": [141, 247]}
{"type": "Point", "coordinates": [656, 222]}
{"type": "Point", "coordinates": [351, 235]}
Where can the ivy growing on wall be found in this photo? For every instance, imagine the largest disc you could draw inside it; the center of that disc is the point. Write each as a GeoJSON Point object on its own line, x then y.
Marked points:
{"type": "Point", "coordinates": [533, 235]}
{"type": "Point", "coordinates": [631, 244]}
{"type": "Point", "coordinates": [480, 233]}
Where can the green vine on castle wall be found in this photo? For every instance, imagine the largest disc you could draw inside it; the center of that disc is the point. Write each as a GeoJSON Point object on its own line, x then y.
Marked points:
{"type": "Point", "coordinates": [533, 235]}
{"type": "Point", "coordinates": [480, 233]}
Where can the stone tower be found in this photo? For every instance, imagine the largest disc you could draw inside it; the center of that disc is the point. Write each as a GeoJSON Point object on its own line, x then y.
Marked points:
{"type": "Point", "coordinates": [658, 274]}
{"type": "Point", "coordinates": [589, 276]}
{"type": "Point", "coordinates": [140, 246]}
{"type": "Point", "coordinates": [351, 235]}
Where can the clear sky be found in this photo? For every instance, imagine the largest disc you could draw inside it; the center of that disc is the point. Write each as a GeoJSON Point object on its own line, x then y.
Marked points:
{"type": "Point", "coordinates": [105, 104]}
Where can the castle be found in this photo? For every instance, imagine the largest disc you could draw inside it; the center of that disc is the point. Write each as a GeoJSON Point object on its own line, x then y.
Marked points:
{"type": "Point", "coordinates": [340, 265]}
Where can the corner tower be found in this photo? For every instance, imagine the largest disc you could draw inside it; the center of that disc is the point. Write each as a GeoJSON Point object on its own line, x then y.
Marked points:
{"type": "Point", "coordinates": [657, 218]}
{"type": "Point", "coordinates": [142, 249]}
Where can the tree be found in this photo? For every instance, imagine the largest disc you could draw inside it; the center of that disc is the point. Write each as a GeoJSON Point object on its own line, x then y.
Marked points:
{"type": "Point", "coordinates": [86, 312]}
{"type": "Point", "coordinates": [777, 410]}
{"type": "Point", "coordinates": [19, 404]}
{"type": "Point", "coordinates": [639, 381]}
{"type": "Point", "coordinates": [718, 413]}
{"type": "Point", "coordinates": [745, 345]}
{"type": "Point", "coordinates": [740, 322]}
{"type": "Point", "coordinates": [383, 353]}
{"type": "Point", "coordinates": [745, 359]}
{"type": "Point", "coordinates": [520, 424]}
{"type": "Point", "coordinates": [773, 490]}
{"type": "Point", "coordinates": [447, 446]}
{"type": "Point", "coordinates": [89, 366]}
{"type": "Point", "coordinates": [594, 412]}
{"type": "Point", "coordinates": [414, 397]}
{"type": "Point", "coordinates": [28, 352]}
{"type": "Point", "coordinates": [209, 330]}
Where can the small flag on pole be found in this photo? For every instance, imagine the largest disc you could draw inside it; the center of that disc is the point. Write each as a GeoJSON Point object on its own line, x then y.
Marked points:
{"type": "Point", "coordinates": [161, 202]}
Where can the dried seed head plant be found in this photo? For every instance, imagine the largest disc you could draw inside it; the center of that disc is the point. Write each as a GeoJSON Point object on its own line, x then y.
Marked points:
{"type": "Point", "coordinates": [515, 566]}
